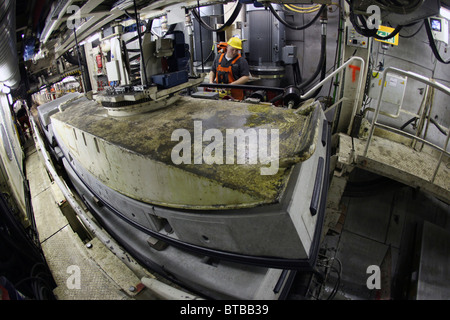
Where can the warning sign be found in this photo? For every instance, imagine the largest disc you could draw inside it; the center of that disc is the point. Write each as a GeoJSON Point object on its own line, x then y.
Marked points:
{"type": "Point", "coordinates": [384, 31]}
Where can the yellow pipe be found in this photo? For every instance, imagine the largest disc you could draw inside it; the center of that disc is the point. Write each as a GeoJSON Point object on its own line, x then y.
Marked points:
{"type": "Point", "coordinates": [305, 8]}
{"type": "Point", "coordinates": [299, 11]}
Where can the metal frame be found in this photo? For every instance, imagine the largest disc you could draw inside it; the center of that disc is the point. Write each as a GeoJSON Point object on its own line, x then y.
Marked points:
{"type": "Point", "coordinates": [428, 82]}
{"type": "Point", "coordinates": [400, 106]}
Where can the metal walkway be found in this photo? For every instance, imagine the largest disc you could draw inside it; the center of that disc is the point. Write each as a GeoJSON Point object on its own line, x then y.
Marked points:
{"type": "Point", "coordinates": [398, 162]}
{"type": "Point", "coordinates": [399, 155]}
{"type": "Point", "coordinates": [102, 276]}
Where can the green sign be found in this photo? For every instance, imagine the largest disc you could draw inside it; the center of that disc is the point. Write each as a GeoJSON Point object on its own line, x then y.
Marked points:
{"type": "Point", "coordinates": [385, 33]}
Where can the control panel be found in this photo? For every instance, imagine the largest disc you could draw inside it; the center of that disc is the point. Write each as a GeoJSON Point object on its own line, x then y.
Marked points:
{"type": "Point", "coordinates": [439, 29]}
{"type": "Point", "coordinates": [354, 39]}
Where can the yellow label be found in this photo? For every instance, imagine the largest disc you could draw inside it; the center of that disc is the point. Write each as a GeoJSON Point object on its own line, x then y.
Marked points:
{"type": "Point", "coordinates": [384, 31]}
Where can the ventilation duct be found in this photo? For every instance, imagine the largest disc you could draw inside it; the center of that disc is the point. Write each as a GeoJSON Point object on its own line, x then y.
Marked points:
{"type": "Point", "coordinates": [9, 64]}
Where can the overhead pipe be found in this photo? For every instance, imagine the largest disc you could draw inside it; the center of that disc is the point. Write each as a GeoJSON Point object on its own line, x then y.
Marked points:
{"type": "Point", "coordinates": [9, 63]}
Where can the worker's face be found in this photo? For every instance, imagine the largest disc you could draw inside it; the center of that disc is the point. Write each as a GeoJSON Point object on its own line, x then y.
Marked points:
{"type": "Point", "coordinates": [231, 52]}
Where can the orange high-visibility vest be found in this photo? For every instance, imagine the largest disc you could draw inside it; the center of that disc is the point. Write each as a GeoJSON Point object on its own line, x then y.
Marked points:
{"type": "Point", "coordinates": [225, 75]}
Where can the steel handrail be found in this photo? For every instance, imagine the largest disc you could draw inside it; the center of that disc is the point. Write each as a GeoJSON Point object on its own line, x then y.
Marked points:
{"type": "Point", "coordinates": [338, 71]}
{"type": "Point", "coordinates": [428, 82]}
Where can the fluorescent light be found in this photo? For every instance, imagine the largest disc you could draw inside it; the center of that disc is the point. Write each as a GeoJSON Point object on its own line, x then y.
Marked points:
{"type": "Point", "coordinates": [94, 37]}
{"type": "Point", "coordinates": [445, 13]}
{"type": "Point", "coordinates": [90, 39]}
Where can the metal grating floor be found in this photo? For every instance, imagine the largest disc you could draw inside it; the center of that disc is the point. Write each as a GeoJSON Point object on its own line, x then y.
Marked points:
{"type": "Point", "coordinates": [398, 162]}
{"type": "Point", "coordinates": [102, 276]}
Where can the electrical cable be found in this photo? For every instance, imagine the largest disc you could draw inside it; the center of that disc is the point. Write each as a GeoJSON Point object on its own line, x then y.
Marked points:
{"type": "Point", "coordinates": [338, 280]}
{"type": "Point", "coordinates": [296, 73]}
{"type": "Point", "coordinates": [364, 30]}
{"type": "Point", "coordinates": [325, 263]}
{"type": "Point", "coordinates": [337, 55]}
{"type": "Point", "coordinates": [290, 26]}
{"type": "Point", "coordinates": [222, 28]}
{"type": "Point", "coordinates": [322, 76]}
{"type": "Point", "coordinates": [408, 122]}
{"type": "Point", "coordinates": [433, 44]}
{"type": "Point", "coordinates": [437, 125]}
{"type": "Point", "coordinates": [204, 61]}
{"type": "Point", "coordinates": [412, 35]}
{"type": "Point", "coordinates": [313, 9]}
{"type": "Point", "coordinates": [319, 65]}
{"type": "Point", "coordinates": [277, 98]}
{"type": "Point", "coordinates": [317, 6]}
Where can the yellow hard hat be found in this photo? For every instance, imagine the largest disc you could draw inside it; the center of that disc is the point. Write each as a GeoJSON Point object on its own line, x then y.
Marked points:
{"type": "Point", "coordinates": [235, 42]}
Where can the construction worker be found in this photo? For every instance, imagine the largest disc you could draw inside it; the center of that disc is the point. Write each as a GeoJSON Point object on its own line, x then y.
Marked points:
{"type": "Point", "coordinates": [231, 68]}
{"type": "Point", "coordinates": [22, 117]}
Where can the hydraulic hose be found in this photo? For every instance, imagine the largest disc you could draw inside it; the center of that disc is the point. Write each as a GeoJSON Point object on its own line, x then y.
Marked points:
{"type": "Point", "coordinates": [292, 93]}
{"type": "Point", "coordinates": [226, 25]}
{"type": "Point", "coordinates": [322, 76]}
{"type": "Point", "coordinates": [368, 32]}
{"type": "Point", "coordinates": [297, 73]}
{"type": "Point", "coordinates": [364, 30]}
{"type": "Point", "coordinates": [321, 66]}
{"type": "Point", "coordinates": [323, 53]}
{"type": "Point", "coordinates": [290, 26]}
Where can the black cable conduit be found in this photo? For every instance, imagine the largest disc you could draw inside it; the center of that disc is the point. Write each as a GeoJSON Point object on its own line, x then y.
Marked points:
{"type": "Point", "coordinates": [323, 46]}
{"type": "Point", "coordinates": [364, 30]}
